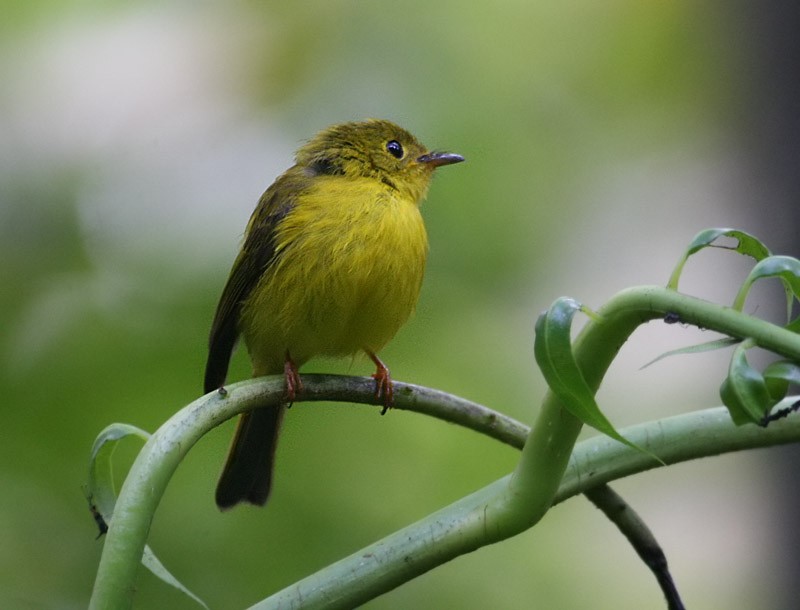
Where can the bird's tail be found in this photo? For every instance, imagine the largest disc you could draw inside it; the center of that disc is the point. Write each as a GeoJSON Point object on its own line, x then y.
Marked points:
{"type": "Point", "coordinates": [247, 476]}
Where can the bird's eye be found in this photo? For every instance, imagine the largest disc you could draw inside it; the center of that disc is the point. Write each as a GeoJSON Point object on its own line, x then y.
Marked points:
{"type": "Point", "coordinates": [395, 149]}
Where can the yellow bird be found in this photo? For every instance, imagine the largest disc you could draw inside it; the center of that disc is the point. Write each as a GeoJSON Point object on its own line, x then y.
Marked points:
{"type": "Point", "coordinates": [331, 265]}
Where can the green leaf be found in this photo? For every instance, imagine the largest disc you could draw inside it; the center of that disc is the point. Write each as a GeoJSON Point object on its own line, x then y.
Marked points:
{"type": "Point", "coordinates": [794, 325]}
{"type": "Point", "coordinates": [99, 489]}
{"type": "Point", "coordinates": [783, 369]}
{"type": "Point", "coordinates": [554, 355]}
{"type": "Point", "coordinates": [744, 391]}
{"type": "Point", "coordinates": [784, 267]}
{"type": "Point", "coordinates": [102, 496]}
{"type": "Point", "coordinates": [746, 244]}
{"type": "Point", "coordinates": [778, 376]}
{"type": "Point", "coordinates": [151, 562]}
{"type": "Point", "coordinates": [696, 349]}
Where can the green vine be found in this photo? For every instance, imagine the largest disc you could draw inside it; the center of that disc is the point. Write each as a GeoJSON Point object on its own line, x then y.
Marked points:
{"type": "Point", "coordinates": [551, 467]}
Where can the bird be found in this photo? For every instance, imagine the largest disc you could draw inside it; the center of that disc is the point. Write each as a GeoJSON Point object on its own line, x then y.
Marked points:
{"type": "Point", "coordinates": [331, 265]}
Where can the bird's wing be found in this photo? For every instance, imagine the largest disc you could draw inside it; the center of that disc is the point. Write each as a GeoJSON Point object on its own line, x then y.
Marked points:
{"type": "Point", "coordinates": [257, 255]}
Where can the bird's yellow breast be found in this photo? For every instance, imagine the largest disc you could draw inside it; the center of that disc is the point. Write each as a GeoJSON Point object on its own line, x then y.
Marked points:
{"type": "Point", "coordinates": [350, 257]}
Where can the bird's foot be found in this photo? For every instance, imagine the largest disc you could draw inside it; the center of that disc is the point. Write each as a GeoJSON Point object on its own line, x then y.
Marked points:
{"type": "Point", "coordinates": [293, 384]}
{"type": "Point", "coordinates": [383, 383]}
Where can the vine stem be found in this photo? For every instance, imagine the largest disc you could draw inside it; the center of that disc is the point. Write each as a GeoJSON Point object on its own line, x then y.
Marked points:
{"type": "Point", "coordinates": [595, 461]}
{"type": "Point", "coordinates": [498, 511]}
{"type": "Point", "coordinates": [150, 473]}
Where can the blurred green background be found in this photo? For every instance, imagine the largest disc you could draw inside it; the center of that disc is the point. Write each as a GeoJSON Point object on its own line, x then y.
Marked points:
{"type": "Point", "coordinates": [135, 139]}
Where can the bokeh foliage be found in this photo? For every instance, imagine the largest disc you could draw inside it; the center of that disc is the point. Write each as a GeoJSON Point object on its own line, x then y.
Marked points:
{"type": "Point", "coordinates": [136, 139]}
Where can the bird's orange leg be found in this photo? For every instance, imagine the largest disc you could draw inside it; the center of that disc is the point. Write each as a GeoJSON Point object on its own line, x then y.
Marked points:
{"type": "Point", "coordinates": [383, 382]}
{"type": "Point", "coordinates": [293, 384]}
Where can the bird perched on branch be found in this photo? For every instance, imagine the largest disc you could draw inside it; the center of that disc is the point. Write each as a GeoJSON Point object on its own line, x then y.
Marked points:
{"type": "Point", "coordinates": [331, 265]}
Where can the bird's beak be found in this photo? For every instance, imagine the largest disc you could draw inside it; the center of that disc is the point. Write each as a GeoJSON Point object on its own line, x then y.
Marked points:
{"type": "Point", "coordinates": [435, 159]}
